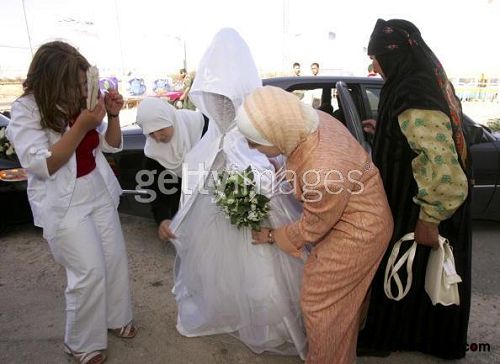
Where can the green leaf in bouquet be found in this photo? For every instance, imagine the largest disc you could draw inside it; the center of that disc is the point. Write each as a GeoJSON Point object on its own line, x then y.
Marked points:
{"type": "Point", "coordinates": [261, 200]}
{"type": "Point", "coordinates": [240, 180]}
{"type": "Point", "coordinates": [249, 173]}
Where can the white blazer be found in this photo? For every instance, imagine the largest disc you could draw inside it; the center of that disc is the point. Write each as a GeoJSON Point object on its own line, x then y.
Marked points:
{"type": "Point", "coordinates": [50, 195]}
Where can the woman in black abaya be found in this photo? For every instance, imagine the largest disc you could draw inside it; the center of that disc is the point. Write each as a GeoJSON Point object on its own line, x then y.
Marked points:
{"type": "Point", "coordinates": [420, 150]}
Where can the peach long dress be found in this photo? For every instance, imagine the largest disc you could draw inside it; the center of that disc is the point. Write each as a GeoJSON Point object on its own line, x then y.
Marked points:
{"type": "Point", "coordinates": [350, 226]}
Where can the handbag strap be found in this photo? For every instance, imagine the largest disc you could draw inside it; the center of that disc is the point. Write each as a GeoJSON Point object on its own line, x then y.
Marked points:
{"type": "Point", "coordinates": [451, 276]}
{"type": "Point", "coordinates": [393, 266]}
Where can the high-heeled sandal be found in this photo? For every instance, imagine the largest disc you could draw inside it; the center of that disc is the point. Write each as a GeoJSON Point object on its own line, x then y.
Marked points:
{"type": "Point", "coordinates": [125, 332]}
{"type": "Point", "coordinates": [93, 357]}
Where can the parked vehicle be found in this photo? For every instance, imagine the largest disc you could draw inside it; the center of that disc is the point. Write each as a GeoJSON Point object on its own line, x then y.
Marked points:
{"type": "Point", "coordinates": [355, 99]}
{"type": "Point", "coordinates": [359, 101]}
{"type": "Point", "coordinates": [14, 206]}
{"type": "Point", "coordinates": [350, 98]}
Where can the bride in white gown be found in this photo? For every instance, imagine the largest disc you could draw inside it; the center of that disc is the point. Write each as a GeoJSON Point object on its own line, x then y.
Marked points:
{"type": "Point", "coordinates": [223, 283]}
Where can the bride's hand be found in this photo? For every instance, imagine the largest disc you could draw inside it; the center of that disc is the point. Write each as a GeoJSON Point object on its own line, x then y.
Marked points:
{"type": "Point", "coordinates": [164, 231]}
{"type": "Point", "coordinates": [261, 237]}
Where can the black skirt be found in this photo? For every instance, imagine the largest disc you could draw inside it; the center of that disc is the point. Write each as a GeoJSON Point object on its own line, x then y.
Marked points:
{"type": "Point", "coordinates": [165, 205]}
{"type": "Point", "coordinates": [414, 324]}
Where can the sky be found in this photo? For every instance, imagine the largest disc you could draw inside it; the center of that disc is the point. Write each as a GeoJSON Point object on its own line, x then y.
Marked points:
{"type": "Point", "coordinates": [149, 37]}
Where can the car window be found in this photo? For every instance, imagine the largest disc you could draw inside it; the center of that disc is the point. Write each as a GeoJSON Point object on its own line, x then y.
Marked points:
{"type": "Point", "coordinates": [313, 97]}
{"type": "Point", "coordinates": [324, 98]}
{"type": "Point", "coordinates": [476, 133]}
{"type": "Point", "coordinates": [309, 97]}
{"type": "Point", "coordinates": [373, 95]}
{"type": "Point", "coordinates": [486, 136]}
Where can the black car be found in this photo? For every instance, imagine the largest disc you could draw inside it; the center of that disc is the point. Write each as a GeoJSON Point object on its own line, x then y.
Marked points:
{"type": "Point", "coordinates": [126, 166]}
{"type": "Point", "coordinates": [356, 99]}
{"type": "Point", "coordinates": [351, 99]}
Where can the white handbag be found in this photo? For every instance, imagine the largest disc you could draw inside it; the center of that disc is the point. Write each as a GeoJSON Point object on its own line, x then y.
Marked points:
{"type": "Point", "coordinates": [441, 278]}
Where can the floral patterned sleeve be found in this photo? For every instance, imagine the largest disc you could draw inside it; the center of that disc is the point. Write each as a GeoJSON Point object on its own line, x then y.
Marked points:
{"type": "Point", "coordinates": [442, 184]}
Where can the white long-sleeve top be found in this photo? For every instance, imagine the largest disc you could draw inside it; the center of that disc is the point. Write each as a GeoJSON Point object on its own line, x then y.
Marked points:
{"type": "Point", "coordinates": [50, 195]}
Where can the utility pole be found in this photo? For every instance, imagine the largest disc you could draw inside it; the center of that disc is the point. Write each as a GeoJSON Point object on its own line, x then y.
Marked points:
{"type": "Point", "coordinates": [286, 24]}
{"type": "Point", "coordinates": [119, 38]}
{"type": "Point", "coordinates": [185, 57]}
{"type": "Point", "coordinates": [27, 28]}
{"type": "Point", "coordinates": [181, 41]}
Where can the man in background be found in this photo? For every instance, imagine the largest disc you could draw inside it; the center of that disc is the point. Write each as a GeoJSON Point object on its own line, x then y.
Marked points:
{"type": "Point", "coordinates": [187, 82]}
{"type": "Point", "coordinates": [296, 69]}
{"type": "Point", "coordinates": [296, 73]}
{"type": "Point", "coordinates": [314, 68]}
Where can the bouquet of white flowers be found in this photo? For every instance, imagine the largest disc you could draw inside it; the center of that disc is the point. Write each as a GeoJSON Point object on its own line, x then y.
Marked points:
{"type": "Point", "coordinates": [237, 196]}
{"type": "Point", "coordinates": [6, 149]}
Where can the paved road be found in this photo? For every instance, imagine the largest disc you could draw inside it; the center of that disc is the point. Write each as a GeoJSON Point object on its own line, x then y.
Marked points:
{"type": "Point", "coordinates": [32, 305]}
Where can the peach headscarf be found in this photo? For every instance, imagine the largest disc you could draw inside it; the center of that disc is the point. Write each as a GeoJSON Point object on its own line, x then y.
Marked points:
{"type": "Point", "coordinates": [273, 116]}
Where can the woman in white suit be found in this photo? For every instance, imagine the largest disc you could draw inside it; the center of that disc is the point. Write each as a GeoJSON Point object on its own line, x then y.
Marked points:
{"type": "Point", "coordinates": [74, 194]}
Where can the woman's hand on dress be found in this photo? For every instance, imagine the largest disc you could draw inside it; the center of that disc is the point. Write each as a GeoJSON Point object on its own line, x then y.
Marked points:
{"type": "Point", "coordinates": [164, 231]}
{"type": "Point", "coordinates": [427, 233]}
{"type": "Point", "coordinates": [114, 102]}
{"type": "Point", "coordinates": [92, 119]}
{"type": "Point", "coordinates": [275, 163]}
{"type": "Point", "coordinates": [369, 126]}
{"type": "Point", "coordinates": [261, 237]}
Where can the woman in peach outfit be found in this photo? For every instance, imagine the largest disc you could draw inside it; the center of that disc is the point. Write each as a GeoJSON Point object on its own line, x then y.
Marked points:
{"type": "Point", "coordinates": [346, 215]}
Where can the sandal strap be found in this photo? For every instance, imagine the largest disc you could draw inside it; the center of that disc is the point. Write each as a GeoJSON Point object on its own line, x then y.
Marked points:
{"type": "Point", "coordinates": [85, 358]}
{"type": "Point", "coordinates": [127, 330]}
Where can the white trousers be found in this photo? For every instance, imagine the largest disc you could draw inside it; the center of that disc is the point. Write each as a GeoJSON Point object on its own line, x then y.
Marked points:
{"type": "Point", "coordinates": [89, 244]}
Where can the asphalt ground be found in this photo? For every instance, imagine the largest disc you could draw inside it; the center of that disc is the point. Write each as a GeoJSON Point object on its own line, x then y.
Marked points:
{"type": "Point", "coordinates": [32, 305]}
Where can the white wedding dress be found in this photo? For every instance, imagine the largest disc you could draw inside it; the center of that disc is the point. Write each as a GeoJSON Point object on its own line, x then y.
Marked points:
{"type": "Point", "coordinates": [224, 283]}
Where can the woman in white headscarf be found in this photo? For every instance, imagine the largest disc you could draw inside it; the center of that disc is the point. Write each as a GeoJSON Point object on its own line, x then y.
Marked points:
{"type": "Point", "coordinates": [223, 283]}
{"type": "Point", "coordinates": [170, 135]}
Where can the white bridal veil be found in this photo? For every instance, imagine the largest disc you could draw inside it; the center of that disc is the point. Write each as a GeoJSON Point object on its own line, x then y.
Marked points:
{"type": "Point", "coordinates": [223, 283]}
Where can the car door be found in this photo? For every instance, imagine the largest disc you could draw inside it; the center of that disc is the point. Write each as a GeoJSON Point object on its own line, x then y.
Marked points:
{"type": "Point", "coordinates": [485, 156]}
{"type": "Point", "coordinates": [371, 97]}
{"type": "Point", "coordinates": [352, 119]}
